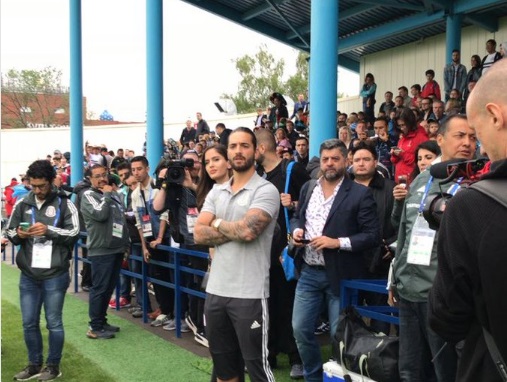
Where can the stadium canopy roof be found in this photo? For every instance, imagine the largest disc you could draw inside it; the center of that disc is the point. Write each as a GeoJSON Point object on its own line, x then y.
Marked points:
{"type": "Point", "coordinates": [365, 26]}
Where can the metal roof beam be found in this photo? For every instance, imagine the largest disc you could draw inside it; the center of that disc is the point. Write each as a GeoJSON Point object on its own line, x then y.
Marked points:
{"type": "Point", "coordinates": [432, 4]}
{"type": "Point", "coordinates": [394, 4]}
{"type": "Point", "coordinates": [469, 6]}
{"type": "Point", "coordinates": [348, 63]}
{"type": "Point", "coordinates": [388, 30]}
{"type": "Point", "coordinates": [289, 24]}
{"type": "Point", "coordinates": [256, 25]}
{"type": "Point", "coordinates": [343, 15]}
{"type": "Point", "coordinates": [259, 10]}
{"type": "Point", "coordinates": [487, 21]}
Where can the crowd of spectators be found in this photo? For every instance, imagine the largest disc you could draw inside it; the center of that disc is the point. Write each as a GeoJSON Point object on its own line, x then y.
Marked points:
{"type": "Point", "coordinates": [385, 149]}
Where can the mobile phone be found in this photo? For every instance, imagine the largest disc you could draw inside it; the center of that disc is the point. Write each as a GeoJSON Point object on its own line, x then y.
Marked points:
{"type": "Point", "coordinates": [304, 241]}
{"type": "Point", "coordinates": [402, 180]}
{"type": "Point", "coordinates": [24, 226]}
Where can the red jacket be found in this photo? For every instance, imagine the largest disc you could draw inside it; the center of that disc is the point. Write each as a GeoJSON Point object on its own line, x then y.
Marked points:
{"type": "Point", "coordinates": [431, 89]}
{"type": "Point", "coordinates": [9, 200]}
{"type": "Point", "coordinates": [405, 162]}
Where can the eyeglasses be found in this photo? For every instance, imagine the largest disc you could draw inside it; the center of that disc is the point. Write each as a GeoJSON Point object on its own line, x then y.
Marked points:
{"type": "Point", "coordinates": [39, 186]}
{"type": "Point", "coordinates": [98, 176]}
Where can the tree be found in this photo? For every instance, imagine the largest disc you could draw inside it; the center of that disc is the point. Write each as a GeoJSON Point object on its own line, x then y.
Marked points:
{"type": "Point", "coordinates": [261, 75]}
{"type": "Point", "coordinates": [298, 83]}
{"type": "Point", "coordinates": [34, 97]}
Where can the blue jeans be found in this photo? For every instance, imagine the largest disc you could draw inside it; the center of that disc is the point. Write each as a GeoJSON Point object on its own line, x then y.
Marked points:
{"type": "Point", "coordinates": [51, 293]}
{"type": "Point", "coordinates": [312, 291]}
{"type": "Point", "coordinates": [419, 344]}
{"type": "Point", "coordinates": [105, 273]}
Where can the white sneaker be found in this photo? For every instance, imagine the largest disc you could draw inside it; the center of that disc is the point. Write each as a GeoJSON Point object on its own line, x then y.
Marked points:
{"type": "Point", "coordinates": [161, 320]}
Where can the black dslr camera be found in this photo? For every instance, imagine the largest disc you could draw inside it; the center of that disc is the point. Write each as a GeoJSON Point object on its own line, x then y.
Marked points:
{"type": "Point", "coordinates": [450, 170]}
{"type": "Point", "coordinates": [176, 170]}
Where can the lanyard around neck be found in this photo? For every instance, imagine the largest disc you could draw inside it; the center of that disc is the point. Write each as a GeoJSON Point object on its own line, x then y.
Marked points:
{"type": "Point", "coordinates": [57, 215]}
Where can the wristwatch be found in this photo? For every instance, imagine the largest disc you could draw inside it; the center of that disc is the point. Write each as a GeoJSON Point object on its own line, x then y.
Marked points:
{"type": "Point", "coordinates": [216, 224]}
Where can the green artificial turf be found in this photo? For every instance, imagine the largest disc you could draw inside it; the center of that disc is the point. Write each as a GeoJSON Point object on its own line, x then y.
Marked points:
{"type": "Point", "coordinates": [135, 355]}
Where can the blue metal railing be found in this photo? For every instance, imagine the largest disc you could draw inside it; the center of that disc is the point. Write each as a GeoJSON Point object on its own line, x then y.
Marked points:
{"type": "Point", "coordinates": [175, 265]}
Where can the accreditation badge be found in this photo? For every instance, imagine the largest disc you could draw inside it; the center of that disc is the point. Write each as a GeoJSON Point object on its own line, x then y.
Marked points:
{"type": "Point", "coordinates": [421, 242]}
{"type": "Point", "coordinates": [41, 254]}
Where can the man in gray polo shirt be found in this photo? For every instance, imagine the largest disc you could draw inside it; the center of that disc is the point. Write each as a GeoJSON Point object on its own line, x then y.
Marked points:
{"type": "Point", "coordinates": [238, 218]}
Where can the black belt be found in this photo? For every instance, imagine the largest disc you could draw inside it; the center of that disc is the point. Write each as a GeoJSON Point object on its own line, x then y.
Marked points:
{"type": "Point", "coordinates": [317, 267]}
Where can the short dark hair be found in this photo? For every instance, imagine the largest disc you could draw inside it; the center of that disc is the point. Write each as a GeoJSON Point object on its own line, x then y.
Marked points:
{"type": "Point", "coordinates": [302, 137]}
{"type": "Point", "coordinates": [41, 169]}
{"type": "Point", "coordinates": [331, 144]}
{"type": "Point", "coordinates": [456, 50]}
{"type": "Point", "coordinates": [221, 125]}
{"type": "Point", "coordinates": [388, 92]}
{"type": "Point", "coordinates": [430, 72]}
{"type": "Point", "coordinates": [382, 119]}
{"type": "Point", "coordinates": [444, 123]}
{"type": "Point", "coordinates": [403, 88]}
{"type": "Point", "coordinates": [491, 41]}
{"type": "Point", "coordinates": [123, 166]}
{"type": "Point", "coordinates": [243, 129]}
{"type": "Point", "coordinates": [364, 145]}
{"type": "Point", "coordinates": [416, 86]}
{"type": "Point", "coordinates": [141, 159]}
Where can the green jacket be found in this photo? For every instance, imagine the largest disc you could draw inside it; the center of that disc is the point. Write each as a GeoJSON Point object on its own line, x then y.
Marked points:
{"type": "Point", "coordinates": [61, 217]}
{"type": "Point", "coordinates": [412, 281]}
{"type": "Point", "coordinates": [104, 215]}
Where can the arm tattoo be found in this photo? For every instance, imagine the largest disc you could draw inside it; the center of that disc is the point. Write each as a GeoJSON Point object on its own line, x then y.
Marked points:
{"type": "Point", "coordinates": [247, 229]}
{"type": "Point", "coordinates": [210, 237]}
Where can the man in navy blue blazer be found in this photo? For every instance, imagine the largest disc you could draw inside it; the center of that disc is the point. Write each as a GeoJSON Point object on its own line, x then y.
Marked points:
{"type": "Point", "coordinates": [334, 226]}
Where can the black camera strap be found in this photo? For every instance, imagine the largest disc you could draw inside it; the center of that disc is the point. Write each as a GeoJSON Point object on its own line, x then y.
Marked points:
{"type": "Point", "coordinates": [496, 190]}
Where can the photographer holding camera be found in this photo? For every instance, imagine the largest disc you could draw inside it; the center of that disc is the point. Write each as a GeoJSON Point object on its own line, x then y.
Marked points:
{"type": "Point", "coordinates": [178, 184]}
{"type": "Point", "coordinates": [467, 301]}
{"type": "Point", "coordinates": [415, 262]}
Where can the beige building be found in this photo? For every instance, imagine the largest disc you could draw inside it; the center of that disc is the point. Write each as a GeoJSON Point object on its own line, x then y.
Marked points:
{"type": "Point", "coordinates": [406, 64]}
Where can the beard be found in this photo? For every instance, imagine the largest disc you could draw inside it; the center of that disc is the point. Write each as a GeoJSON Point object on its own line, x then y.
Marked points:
{"type": "Point", "coordinates": [260, 159]}
{"type": "Point", "coordinates": [247, 165]}
{"type": "Point", "coordinates": [333, 175]}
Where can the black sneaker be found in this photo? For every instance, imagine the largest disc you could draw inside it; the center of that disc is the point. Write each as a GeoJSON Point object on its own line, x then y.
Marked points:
{"type": "Point", "coordinates": [99, 334]}
{"type": "Point", "coordinates": [29, 372]}
{"type": "Point", "coordinates": [111, 328]}
{"type": "Point", "coordinates": [200, 338]}
{"type": "Point", "coordinates": [49, 373]}
{"type": "Point", "coordinates": [322, 328]}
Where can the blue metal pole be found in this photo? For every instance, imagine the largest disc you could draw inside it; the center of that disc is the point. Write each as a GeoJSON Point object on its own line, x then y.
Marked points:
{"type": "Point", "coordinates": [154, 82]}
{"type": "Point", "coordinates": [76, 93]}
{"type": "Point", "coordinates": [452, 36]}
{"type": "Point", "coordinates": [323, 72]}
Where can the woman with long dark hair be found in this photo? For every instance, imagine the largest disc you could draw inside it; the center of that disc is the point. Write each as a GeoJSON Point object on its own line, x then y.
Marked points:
{"type": "Point", "coordinates": [368, 94]}
{"type": "Point", "coordinates": [473, 75]}
{"type": "Point", "coordinates": [425, 154]}
{"type": "Point", "coordinates": [216, 170]}
{"type": "Point", "coordinates": [412, 134]}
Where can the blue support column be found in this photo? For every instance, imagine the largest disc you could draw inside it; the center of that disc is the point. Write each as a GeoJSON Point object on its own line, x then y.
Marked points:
{"type": "Point", "coordinates": [76, 93]}
{"type": "Point", "coordinates": [323, 72]}
{"type": "Point", "coordinates": [452, 36]}
{"type": "Point", "coordinates": [154, 82]}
